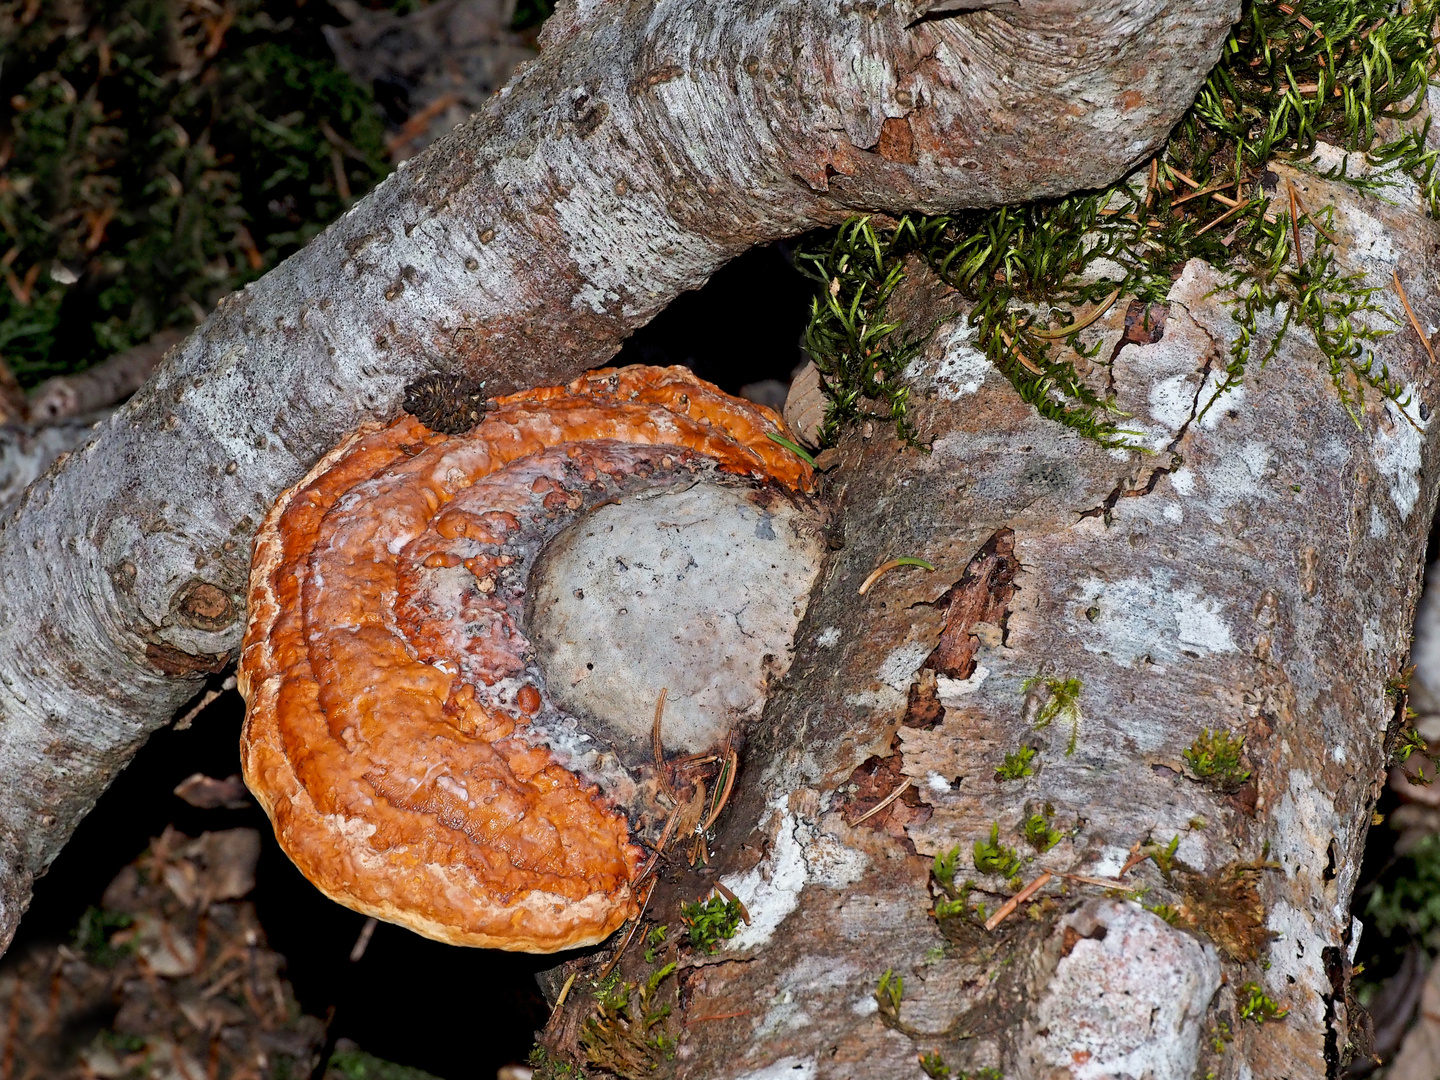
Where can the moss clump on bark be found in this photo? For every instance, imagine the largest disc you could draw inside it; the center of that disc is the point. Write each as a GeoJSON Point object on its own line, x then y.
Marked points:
{"type": "Point", "coordinates": [630, 1033]}
{"type": "Point", "coordinates": [1286, 79]}
{"type": "Point", "coordinates": [1214, 758]}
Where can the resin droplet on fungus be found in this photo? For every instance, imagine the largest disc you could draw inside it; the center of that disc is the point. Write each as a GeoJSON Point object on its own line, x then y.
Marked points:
{"type": "Point", "coordinates": [444, 739]}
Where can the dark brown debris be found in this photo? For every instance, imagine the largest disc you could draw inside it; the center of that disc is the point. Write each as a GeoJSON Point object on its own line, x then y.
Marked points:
{"type": "Point", "coordinates": [211, 793]}
{"type": "Point", "coordinates": [170, 977]}
{"type": "Point", "coordinates": [982, 595]}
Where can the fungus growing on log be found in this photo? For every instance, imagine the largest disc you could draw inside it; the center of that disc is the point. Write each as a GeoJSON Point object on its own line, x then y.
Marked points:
{"type": "Point", "coordinates": [456, 643]}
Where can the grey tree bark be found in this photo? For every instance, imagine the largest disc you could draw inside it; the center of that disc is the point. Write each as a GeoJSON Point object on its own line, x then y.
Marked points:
{"type": "Point", "coordinates": [647, 145]}
{"type": "Point", "coordinates": [1255, 572]}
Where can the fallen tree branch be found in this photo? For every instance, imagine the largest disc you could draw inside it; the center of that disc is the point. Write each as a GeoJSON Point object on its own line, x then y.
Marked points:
{"type": "Point", "coordinates": [645, 147]}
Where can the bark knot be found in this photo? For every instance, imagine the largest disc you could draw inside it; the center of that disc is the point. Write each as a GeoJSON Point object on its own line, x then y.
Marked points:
{"type": "Point", "coordinates": [203, 606]}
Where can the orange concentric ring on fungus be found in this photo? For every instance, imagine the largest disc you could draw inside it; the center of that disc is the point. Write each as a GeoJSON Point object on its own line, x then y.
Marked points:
{"type": "Point", "coordinates": [383, 640]}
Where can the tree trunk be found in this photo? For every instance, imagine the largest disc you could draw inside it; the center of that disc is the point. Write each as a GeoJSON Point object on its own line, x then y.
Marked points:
{"type": "Point", "coordinates": [1256, 573]}
{"type": "Point", "coordinates": [646, 146]}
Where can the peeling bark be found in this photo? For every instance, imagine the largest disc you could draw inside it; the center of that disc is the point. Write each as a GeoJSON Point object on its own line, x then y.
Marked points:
{"type": "Point", "coordinates": [1256, 573]}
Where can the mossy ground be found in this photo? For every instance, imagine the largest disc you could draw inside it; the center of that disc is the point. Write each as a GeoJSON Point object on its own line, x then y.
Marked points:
{"type": "Point", "coordinates": [158, 154]}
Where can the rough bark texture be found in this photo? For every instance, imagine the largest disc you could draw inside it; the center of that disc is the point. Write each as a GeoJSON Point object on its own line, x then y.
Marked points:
{"type": "Point", "coordinates": [647, 145]}
{"type": "Point", "coordinates": [1256, 573]}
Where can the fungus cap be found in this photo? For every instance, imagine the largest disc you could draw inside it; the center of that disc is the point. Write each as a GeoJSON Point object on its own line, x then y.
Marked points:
{"type": "Point", "coordinates": [399, 731]}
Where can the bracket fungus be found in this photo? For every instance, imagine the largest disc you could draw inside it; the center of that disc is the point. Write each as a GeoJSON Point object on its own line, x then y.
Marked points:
{"type": "Point", "coordinates": [456, 643]}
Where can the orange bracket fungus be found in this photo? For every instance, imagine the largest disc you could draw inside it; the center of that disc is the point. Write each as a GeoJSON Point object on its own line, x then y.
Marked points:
{"type": "Point", "coordinates": [456, 644]}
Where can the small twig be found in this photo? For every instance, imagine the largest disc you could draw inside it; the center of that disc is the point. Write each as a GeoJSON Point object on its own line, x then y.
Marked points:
{"type": "Point", "coordinates": [1211, 190]}
{"type": "Point", "coordinates": [693, 761]}
{"type": "Point", "coordinates": [335, 139]}
{"type": "Point", "coordinates": [610, 966]}
{"type": "Point", "coordinates": [1152, 182]}
{"type": "Point", "coordinates": [418, 124]}
{"type": "Point", "coordinates": [1080, 324]}
{"type": "Point", "coordinates": [1188, 179]}
{"type": "Point", "coordinates": [658, 746]}
{"type": "Point", "coordinates": [1228, 214]}
{"type": "Point", "coordinates": [660, 847]}
{"type": "Point", "coordinates": [1295, 227]}
{"type": "Point", "coordinates": [1004, 910]}
{"type": "Point", "coordinates": [1314, 222]}
{"type": "Point", "coordinates": [1415, 322]}
{"type": "Point", "coordinates": [1104, 883]}
{"type": "Point", "coordinates": [565, 991]}
{"type": "Point", "coordinates": [728, 895]}
{"type": "Point", "coordinates": [222, 984]}
{"type": "Point", "coordinates": [882, 803]}
{"type": "Point", "coordinates": [731, 766]}
{"type": "Point", "coordinates": [363, 941]}
{"type": "Point", "coordinates": [205, 702]}
{"type": "Point", "coordinates": [1025, 361]}
{"type": "Point", "coordinates": [885, 567]}
{"type": "Point", "coordinates": [1137, 855]}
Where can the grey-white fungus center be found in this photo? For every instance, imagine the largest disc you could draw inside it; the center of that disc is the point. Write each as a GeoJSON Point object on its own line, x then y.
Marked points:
{"type": "Point", "coordinates": [696, 590]}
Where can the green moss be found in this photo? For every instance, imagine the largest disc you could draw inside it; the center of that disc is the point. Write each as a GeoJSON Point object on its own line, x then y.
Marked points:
{"type": "Point", "coordinates": [1258, 1007]}
{"type": "Point", "coordinates": [157, 175]}
{"type": "Point", "coordinates": [860, 355]}
{"type": "Point", "coordinates": [1214, 758]}
{"type": "Point", "coordinates": [1405, 902]}
{"type": "Point", "coordinates": [889, 993]}
{"type": "Point", "coordinates": [548, 1067]}
{"type": "Point", "coordinates": [933, 1066]}
{"type": "Point", "coordinates": [1367, 59]}
{"type": "Point", "coordinates": [1062, 702]}
{"type": "Point", "coordinates": [1221, 1036]}
{"type": "Point", "coordinates": [992, 857]}
{"type": "Point", "coordinates": [1164, 857]}
{"type": "Point", "coordinates": [529, 14]}
{"type": "Point", "coordinates": [630, 1033]}
{"type": "Point", "coordinates": [92, 936]}
{"type": "Point", "coordinates": [710, 923]}
{"type": "Point", "coordinates": [1016, 765]}
{"type": "Point", "coordinates": [1169, 912]}
{"type": "Point", "coordinates": [654, 941]}
{"type": "Point", "coordinates": [959, 921]}
{"type": "Point", "coordinates": [1041, 834]}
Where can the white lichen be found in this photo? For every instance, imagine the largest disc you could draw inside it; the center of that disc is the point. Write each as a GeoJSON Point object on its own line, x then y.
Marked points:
{"type": "Point", "coordinates": [1134, 619]}
{"type": "Point", "coordinates": [1126, 1002]}
{"type": "Point", "coordinates": [1399, 440]}
{"type": "Point", "coordinates": [800, 854]}
{"type": "Point", "coordinates": [787, 1068]}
